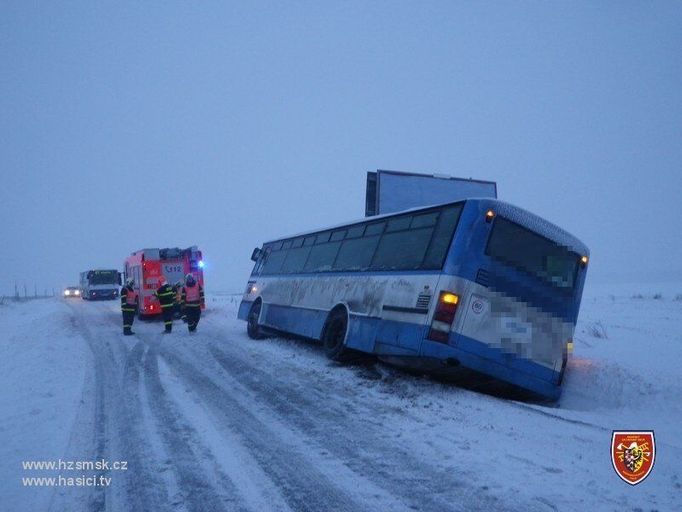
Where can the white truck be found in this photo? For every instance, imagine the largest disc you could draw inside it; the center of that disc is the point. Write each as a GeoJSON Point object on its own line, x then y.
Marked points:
{"type": "Point", "coordinates": [100, 284]}
{"type": "Point", "coordinates": [394, 191]}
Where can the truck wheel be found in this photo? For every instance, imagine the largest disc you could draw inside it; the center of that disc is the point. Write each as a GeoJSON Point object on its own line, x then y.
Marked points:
{"type": "Point", "coordinates": [253, 328]}
{"type": "Point", "coordinates": [334, 335]}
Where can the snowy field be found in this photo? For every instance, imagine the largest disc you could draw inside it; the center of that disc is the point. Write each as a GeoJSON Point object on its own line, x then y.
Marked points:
{"type": "Point", "coordinates": [216, 421]}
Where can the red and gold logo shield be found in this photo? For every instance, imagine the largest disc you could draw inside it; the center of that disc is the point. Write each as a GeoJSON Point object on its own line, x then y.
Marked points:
{"type": "Point", "coordinates": [633, 454]}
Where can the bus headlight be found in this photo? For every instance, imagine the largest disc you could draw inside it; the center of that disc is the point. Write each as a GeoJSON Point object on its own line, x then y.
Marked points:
{"type": "Point", "coordinates": [584, 260]}
{"type": "Point", "coordinates": [77, 292]}
{"type": "Point", "coordinates": [489, 216]}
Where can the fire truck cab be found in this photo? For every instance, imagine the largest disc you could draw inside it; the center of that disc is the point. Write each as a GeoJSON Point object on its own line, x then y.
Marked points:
{"type": "Point", "coordinates": [146, 267]}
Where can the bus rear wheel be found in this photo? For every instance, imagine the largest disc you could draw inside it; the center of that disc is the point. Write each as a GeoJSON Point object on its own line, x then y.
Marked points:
{"type": "Point", "coordinates": [334, 336]}
{"type": "Point", "coordinates": [253, 328]}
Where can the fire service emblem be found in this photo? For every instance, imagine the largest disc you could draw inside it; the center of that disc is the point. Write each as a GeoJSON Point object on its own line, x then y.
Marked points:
{"type": "Point", "coordinates": [633, 454]}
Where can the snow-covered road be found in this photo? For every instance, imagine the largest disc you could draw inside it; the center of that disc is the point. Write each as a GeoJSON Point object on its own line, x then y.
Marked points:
{"type": "Point", "coordinates": [216, 421]}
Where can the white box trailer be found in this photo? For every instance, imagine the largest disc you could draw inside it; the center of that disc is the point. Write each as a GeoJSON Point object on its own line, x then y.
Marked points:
{"type": "Point", "coordinates": [393, 191]}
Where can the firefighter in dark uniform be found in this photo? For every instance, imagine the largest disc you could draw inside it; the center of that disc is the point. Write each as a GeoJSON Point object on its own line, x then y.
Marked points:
{"type": "Point", "coordinates": [129, 305]}
{"type": "Point", "coordinates": [192, 300]}
{"type": "Point", "coordinates": [166, 297]}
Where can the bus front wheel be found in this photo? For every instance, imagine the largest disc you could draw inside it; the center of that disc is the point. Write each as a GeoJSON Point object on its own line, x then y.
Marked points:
{"type": "Point", "coordinates": [253, 328]}
{"type": "Point", "coordinates": [334, 336]}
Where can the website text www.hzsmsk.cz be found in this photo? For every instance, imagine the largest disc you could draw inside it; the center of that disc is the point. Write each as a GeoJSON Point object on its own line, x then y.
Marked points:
{"type": "Point", "coordinates": [100, 466]}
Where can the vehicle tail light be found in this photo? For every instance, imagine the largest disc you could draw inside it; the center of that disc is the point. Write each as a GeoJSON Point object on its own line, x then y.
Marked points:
{"type": "Point", "coordinates": [443, 316]}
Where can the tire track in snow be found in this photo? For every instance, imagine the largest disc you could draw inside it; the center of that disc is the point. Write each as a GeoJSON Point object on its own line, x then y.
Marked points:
{"type": "Point", "coordinates": [144, 483]}
{"type": "Point", "coordinates": [387, 466]}
{"type": "Point", "coordinates": [178, 441]}
{"type": "Point", "coordinates": [361, 446]}
{"type": "Point", "coordinates": [89, 422]}
{"type": "Point", "coordinates": [117, 433]}
{"type": "Point", "coordinates": [227, 455]}
{"type": "Point", "coordinates": [302, 486]}
{"type": "Point", "coordinates": [178, 437]}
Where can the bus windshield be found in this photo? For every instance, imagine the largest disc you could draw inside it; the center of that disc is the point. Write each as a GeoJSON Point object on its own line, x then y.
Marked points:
{"type": "Point", "coordinates": [103, 277]}
{"type": "Point", "coordinates": [515, 245]}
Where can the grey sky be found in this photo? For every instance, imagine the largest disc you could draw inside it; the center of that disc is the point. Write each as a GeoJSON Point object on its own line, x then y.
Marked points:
{"type": "Point", "coordinates": [224, 124]}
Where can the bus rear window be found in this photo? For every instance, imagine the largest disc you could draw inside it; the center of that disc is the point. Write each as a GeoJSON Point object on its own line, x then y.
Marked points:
{"type": "Point", "coordinates": [519, 247]}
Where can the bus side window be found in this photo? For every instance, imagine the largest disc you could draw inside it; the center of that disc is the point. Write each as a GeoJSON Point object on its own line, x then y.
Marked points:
{"type": "Point", "coordinates": [355, 231]}
{"type": "Point", "coordinates": [322, 257]}
{"type": "Point", "coordinates": [323, 237]}
{"type": "Point", "coordinates": [442, 237]}
{"type": "Point", "coordinates": [425, 220]}
{"type": "Point", "coordinates": [399, 223]}
{"type": "Point", "coordinates": [273, 262]}
{"type": "Point", "coordinates": [295, 260]}
{"type": "Point", "coordinates": [338, 235]}
{"type": "Point", "coordinates": [402, 250]}
{"type": "Point", "coordinates": [375, 229]}
{"type": "Point", "coordinates": [356, 253]}
{"type": "Point", "coordinates": [259, 264]}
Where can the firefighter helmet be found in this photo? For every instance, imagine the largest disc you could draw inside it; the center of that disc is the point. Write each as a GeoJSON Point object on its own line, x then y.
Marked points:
{"type": "Point", "coordinates": [189, 280]}
{"type": "Point", "coordinates": [130, 282]}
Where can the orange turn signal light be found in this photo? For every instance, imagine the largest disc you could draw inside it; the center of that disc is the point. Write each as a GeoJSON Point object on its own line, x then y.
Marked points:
{"type": "Point", "coordinates": [450, 298]}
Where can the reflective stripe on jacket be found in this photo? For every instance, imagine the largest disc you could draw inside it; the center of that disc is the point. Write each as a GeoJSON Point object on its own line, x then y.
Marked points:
{"type": "Point", "coordinates": [192, 296]}
{"type": "Point", "coordinates": [166, 295]}
{"type": "Point", "coordinates": [129, 298]}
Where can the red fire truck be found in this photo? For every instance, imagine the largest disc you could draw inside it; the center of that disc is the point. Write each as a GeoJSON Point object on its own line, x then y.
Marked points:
{"type": "Point", "coordinates": [146, 266]}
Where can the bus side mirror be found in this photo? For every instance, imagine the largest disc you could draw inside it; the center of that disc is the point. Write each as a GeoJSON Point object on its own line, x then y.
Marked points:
{"type": "Point", "coordinates": [119, 279]}
{"type": "Point", "coordinates": [256, 254]}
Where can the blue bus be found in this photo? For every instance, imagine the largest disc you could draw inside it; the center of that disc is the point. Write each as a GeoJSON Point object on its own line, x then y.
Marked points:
{"type": "Point", "coordinates": [478, 284]}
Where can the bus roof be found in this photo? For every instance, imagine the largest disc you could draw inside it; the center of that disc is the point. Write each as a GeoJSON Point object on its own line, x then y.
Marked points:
{"type": "Point", "coordinates": [514, 213]}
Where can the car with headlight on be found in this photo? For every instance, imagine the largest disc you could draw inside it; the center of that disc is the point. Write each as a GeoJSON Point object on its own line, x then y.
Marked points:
{"type": "Point", "coordinates": [72, 292]}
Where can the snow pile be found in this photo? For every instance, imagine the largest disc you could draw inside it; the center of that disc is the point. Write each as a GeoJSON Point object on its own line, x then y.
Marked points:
{"type": "Point", "coordinates": [42, 369]}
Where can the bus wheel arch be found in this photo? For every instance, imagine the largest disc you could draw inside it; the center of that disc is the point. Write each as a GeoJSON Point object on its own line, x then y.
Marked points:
{"type": "Point", "coordinates": [335, 333]}
{"type": "Point", "coordinates": [253, 328]}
